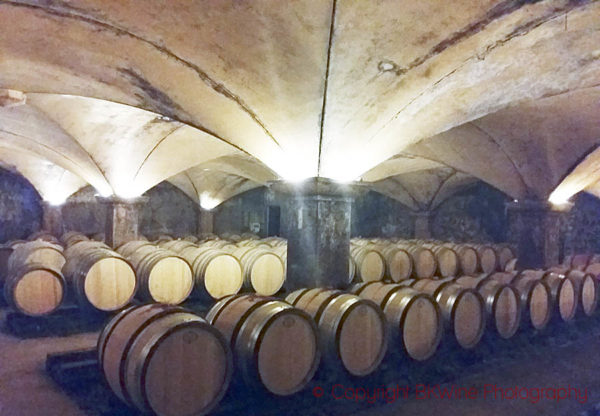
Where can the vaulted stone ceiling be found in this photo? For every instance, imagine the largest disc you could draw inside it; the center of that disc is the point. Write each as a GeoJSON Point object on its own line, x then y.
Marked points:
{"type": "Point", "coordinates": [222, 96]}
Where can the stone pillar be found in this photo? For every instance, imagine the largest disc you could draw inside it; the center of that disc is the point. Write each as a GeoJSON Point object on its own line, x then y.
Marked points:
{"type": "Point", "coordinates": [206, 221]}
{"type": "Point", "coordinates": [316, 222]}
{"type": "Point", "coordinates": [421, 225]}
{"type": "Point", "coordinates": [534, 228]}
{"type": "Point", "coordinates": [122, 219]}
{"type": "Point", "coordinates": [52, 219]}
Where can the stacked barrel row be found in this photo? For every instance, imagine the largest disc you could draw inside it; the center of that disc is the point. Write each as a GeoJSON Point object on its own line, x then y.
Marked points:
{"type": "Point", "coordinates": [223, 268]}
{"type": "Point", "coordinates": [397, 260]}
{"type": "Point", "coordinates": [589, 263]}
{"type": "Point", "coordinates": [164, 360]}
{"type": "Point", "coordinates": [150, 354]}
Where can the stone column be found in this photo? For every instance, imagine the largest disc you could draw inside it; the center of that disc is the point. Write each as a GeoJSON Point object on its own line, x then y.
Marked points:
{"type": "Point", "coordinates": [316, 222]}
{"type": "Point", "coordinates": [52, 219]}
{"type": "Point", "coordinates": [206, 221]}
{"type": "Point", "coordinates": [421, 225]}
{"type": "Point", "coordinates": [122, 219]}
{"type": "Point", "coordinates": [534, 228]}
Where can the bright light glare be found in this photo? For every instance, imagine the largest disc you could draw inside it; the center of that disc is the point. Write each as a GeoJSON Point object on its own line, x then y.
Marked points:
{"type": "Point", "coordinates": [559, 198]}
{"type": "Point", "coordinates": [127, 191]}
{"type": "Point", "coordinates": [56, 198]}
{"type": "Point", "coordinates": [207, 202]}
{"type": "Point", "coordinates": [104, 192]}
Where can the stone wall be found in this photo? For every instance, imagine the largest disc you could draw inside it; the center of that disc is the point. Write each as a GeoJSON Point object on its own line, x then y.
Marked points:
{"type": "Point", "coordinates": [238, 214]}
{"type": "Point", "coordinates": [476, 214]}
{"type": "Point", "coordinates": [20, 207]}
{"type": "Point", "coordinates": [581, 226]}
{"type": "Point", "coordinates": [168, 211]}
{"type": "Point", "coordinates": [376, 215]}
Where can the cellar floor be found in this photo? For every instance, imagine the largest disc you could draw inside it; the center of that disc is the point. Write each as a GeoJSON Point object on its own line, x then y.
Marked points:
{"type": "Point", "coordinates": [26, 389]}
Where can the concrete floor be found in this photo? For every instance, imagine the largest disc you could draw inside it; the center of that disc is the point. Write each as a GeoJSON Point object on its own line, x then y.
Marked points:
{"type": "Point", "coordinates": [26, 390]}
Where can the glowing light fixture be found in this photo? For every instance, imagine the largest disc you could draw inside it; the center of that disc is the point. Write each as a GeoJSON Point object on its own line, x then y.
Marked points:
{"type": "Point", "coordinates": [208, 202]}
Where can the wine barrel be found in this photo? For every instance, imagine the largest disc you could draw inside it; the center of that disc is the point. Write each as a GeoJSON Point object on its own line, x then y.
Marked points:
{"type": "Point", "coordinates": [45, 236]}
{"type": "Point", "coordinates": [586, 287]}
{"type": "Point", "coordinates": [502, 303]}
{"type": "Point", "coordinates": [99, 277]}
{"type": "Point", "coordinates": [462, 309]}
{"type": "Point", "coordinates": [424, 263]}
{"type": "Point", "coordinates": [398, 262]}
{"type": "Point", "coordinates": [352, 330]}
{"type": "Point", "coordinates": [163, 276]}
{"type": "Point", "coordinates": [165, 360]}
{"type": "Point", "coordinates": [593, 269]}
{"type": "Point", "coordinates": [467, 258]}
{"type": "Point", "coordinates": [264, 272]}
{"type": "Point", "coordinates": [176, 245]}
{"type": "Point", "coordinates": [131, 247]}
{"type": "Point", "coordinates": [83, 246]}
{"type": "Point", "coordinates": [162, 238]}
{"type": "Point", "coordinates": [488, 261]}
{"type": "Point", "coordinates": [580, 261]}
{"type": "Point", "coordinates": [505, 254]}
{"type": "Point", "coordinates": [274, 344]}
{"type": "Point", "coordinates": [41, 252]}
{"type": "Point", "coordinates": [216, 272]}
{"type": "Point", "coordinates": [34, 289]}
{"type": "Point", "coordinates": [71, 237]}
{"type": "Point", "coordinates": [191, 238]}
{"type": "Point", "coordinates": [414, 318]}
{"type": "Point", "coordinates": [447, 260]}
{"type": "Point", "coordinates": [562, 288]}
{"type": "Point", "coordinates": [370, 264]}
{"type": "Point", "coordinates": [535, 296]}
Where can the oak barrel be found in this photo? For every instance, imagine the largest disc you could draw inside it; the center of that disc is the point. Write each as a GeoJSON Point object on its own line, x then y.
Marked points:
{"type": "Point", "coordinates": [34, 289]}
{"type": "Point", "coordinates": [72, 237]}
{"type": "Point", "coordinates": [264, 272]}
{"type": "Point", "coordinates": [275, 345]}
{"type": "Point", "coordinates": [41, 252]}
{"type": "Point", "coordinates": [398, 262]}
{"type": "Point", "coordinates": [413, 317]}
{"type": "Point", "coordinates": [535, 296]}
{"type": "Point", "coordinates": [504, 254]}
{"type": "Point", "coordinates": [488, 260]}
{"type": "Point", "coordinates": [562, 288]}
{"type": "Point", "coordinates": [352, 330]}
{"type": "Point", "coordinates": [467, 258]}
{"type": "Point", "coordinates": [99, 276]}
{"type": "Point", "coordinates": [165, 360]}
{"type": "Point", "coordinates": [216, 272]}
{"type": "Point", "coordinates": [446, 259]}
{"type": "Point", "coordinates": [424, 263]}
{"type": "Point", "coordinates": [163, 276]}
{"type": "Point", "coordinates": [502, 303]}
{"type": "Point", "coordinates": [370, 264]}
{"type": "Point", "coordinates": [461, 307]}
{"type": "Point", "coordinates": [586, 286]}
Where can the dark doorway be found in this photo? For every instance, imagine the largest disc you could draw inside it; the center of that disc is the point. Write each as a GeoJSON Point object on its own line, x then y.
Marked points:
{"type": "Point", "coordinates": [273, 220]}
